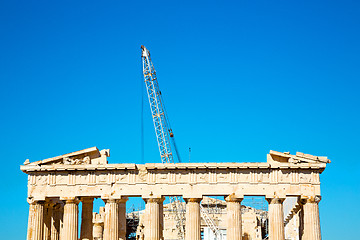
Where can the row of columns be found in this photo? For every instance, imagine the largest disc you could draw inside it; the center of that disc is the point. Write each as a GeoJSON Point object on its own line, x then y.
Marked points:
{"type": "Point", "coordinates": [153, 226]}
{"type": "Point", "coordinates": [60, 221]}
{"type": "Point", "coordinates": [50, 221]}
{"type": "Point", "coordinates": [311, 218]}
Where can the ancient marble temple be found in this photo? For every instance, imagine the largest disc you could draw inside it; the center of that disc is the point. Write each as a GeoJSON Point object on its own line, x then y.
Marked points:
{"type": "Point", "coordinates": [57, 185]}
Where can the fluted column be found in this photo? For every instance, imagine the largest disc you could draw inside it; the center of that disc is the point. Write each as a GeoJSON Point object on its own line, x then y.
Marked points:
{"type": "Point", "coordinates": [55, 221]}
{"type": "Point", "coordinates": [276, 219]}
{"type": "Point", "coordinates": [234, 224]}
{"type": "Point", "coordinates": [71, 219]}
{"type": "Point", "coordinates": [86, 232]}
{"type": "Point", "coordinates": [122, 218]}
{"type": "Point", "coordinates": [153, 218]}
{"type": "Point", "coordinates": [311, 218]}
{"type": "Point", "coordinates": [111, 224]}
{"type": "Point", "coordinates": [36, 220]}
{"type": "Point", "coordinates": [192, 224]}
{"type": "Point", "coordinates": [48, 212]}
{"type": "Point", "coordinates": [30, 227]}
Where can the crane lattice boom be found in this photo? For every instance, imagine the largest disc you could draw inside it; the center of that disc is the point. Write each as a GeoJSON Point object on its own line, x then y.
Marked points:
{"type": "Point", "coordinates": [161, 123]}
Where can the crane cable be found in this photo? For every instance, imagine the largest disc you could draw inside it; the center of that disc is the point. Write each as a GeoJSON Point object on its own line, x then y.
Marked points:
{"type": "Point", "coordinates": [142, 118]}
{"type": "Point", "coordinates": [172, 137]}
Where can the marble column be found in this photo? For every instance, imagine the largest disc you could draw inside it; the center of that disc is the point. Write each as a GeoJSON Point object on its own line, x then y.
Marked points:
{"type": "Point", "coordinates": [234, 224]}
{"type": "Point", "coordinates": [86, 232]}
{"type": "Point", "coordinates": [276, 219]}
{"type": "Point", "coordinates": [111, 224]}
{"type": "Point", "coordinates": [55, 221]}
{"type": "Point", "coordinates": [71, 219]}
{"type": "Point", "coordinates": [48, 212]}
{"type": "Point", "coordinates": [30, 220]}
{"type": "Point", "coordinates": [192, 224]}
{"type": "Point", "coordinates": [311, 220]}
{"type": "Point", "coordinates": [36, 220]}
{"type": "Point", "coordinates": [122, 218]}
{"type": "Point", "coordinates": [153, 218]}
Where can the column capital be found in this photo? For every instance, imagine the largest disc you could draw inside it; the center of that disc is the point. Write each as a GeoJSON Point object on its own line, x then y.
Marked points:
{"type": "Point", "coordinates": [197, 200]}
{"type": "Point", "coordinates": [111, 200]}
{"type": "Point", "coordinates": [310, 199]}
{"type": "Point", "coordinates": [275, 200]}
{"type": "Point", "coordinates": [31, 200]}
{"type": "Point", "coordinates": [234, 198]}
{"type": "Point", "coordinates": [71, 200]}
{"type": "Point", "coordinates": [115, 200]}
{"type": "Point", "coordinates": [152, 200]}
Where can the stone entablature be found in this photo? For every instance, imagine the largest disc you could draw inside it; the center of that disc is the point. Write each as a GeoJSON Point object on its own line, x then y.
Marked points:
{"type": "Point", "coordinates": [182, 179]}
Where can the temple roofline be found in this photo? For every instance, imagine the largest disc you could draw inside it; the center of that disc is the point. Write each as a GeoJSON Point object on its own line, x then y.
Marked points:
{"type": "Point", "coordinates": [170, 166]}
{"type": "Point", "coordinates": [93, 159]}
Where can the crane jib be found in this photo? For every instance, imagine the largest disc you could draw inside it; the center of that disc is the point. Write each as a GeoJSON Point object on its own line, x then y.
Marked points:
{"type": "Point", "coordinates": [161, 123]}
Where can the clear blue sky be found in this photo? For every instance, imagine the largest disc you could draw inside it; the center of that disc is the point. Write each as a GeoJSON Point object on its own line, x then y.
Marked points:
{"type": "Point", "coordinates": [238, 78]}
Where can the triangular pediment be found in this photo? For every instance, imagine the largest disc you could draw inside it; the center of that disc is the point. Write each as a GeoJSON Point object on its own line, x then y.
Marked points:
{"type": "Point", "coordinates": [86, 156]}
{"type": "Point", "coordinates": [286, 157]}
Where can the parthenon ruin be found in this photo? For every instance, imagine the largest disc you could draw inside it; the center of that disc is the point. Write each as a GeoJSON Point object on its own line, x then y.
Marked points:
{"type": "Point", "coordinates": [57, 185]}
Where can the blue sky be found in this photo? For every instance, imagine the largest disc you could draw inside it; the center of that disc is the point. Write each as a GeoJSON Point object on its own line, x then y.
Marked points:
{"type": "Point", "coordinates": [238, 78]}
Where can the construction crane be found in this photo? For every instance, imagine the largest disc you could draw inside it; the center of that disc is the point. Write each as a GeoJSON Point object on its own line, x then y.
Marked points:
{"type": "Point", "coordinates": [161, 122]}
{"type": "Point", "coordinates": [163, 131]}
